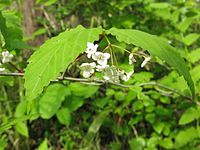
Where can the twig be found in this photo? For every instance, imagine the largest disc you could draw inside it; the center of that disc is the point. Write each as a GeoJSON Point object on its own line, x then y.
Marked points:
{"type": "Point", "coordinates": [135, 131]}
{"type": "Point", "coordinates": [100, 82]}
{"type": "Point", "coordinates": [49, 18]}
{"type": "Point", "coordinates": [165, 87]}
{"type": "Point", "coordinates": [12, 74]}
{"type": "Point", "coordinates": [15, 67]}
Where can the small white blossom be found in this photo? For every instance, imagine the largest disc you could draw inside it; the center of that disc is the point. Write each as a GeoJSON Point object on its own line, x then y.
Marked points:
{"type": "Point", "coordinates": [131, 59]}
{"type": "Point", "coordinates": [6, 57]}
{"type": "Point", "coordinates": [111, 74]}
{"type": "Point", "coordinates": [101, 58]}
{"type": "Point", "coordinates": [1, 69]}
{"type": "Point", "coordinates": [146, 60]}
{"type": "Point", "coordinates": [91, 49]}
{"type": "Point", "coordinates": [87, 69]}
{"type": "Point", "coordinates": [101, 68]}
{"type": "Point", "coordinates": [125, 76]}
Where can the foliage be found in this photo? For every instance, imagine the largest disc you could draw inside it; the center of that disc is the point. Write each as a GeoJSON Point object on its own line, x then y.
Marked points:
{"type": "Point", "coordinates": [53, 107]}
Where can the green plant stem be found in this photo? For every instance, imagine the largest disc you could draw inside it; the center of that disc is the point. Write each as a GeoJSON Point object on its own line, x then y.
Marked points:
{"type": "Point", "coordinates": [111, 53]}
{"type": "Point", "coordinates": [120, 48]}
{"type": "Point", "coordinates": [106, 48]}
{"type": "Point", "coordinates": [107, 39]}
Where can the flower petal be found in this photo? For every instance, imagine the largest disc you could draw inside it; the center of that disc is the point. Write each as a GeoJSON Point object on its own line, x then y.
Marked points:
{"type": "Point", "coordinates": [93, 64]}
{"type": "Point", "coordinates": [86, 74]}
{"type": "Point", "coordinates": [107, 55]}
{"type": "Point", "coordinates": [146, 60]}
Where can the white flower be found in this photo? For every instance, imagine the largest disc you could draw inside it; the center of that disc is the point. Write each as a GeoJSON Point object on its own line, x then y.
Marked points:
{"type": "Point", "coordinates": [101, 68]}
{"type": "Point", "coordinates": [111, 74]}
{"type": "Point", "coordinates": [1, 69]}
{"type": "Point", "coordinates": [125, 76]}
{"type": "Point", "coordinates": [91, 49]}
{"type": "Point", "coordinates": [87, 69]}
{"type": "Point", "coordinates": [146, 60]}
{"type": "Point", "coordinates": [101, 58]}
{"type": "Point", "coordinates": [131, 59]}
{"type": "Point", "coordinates": [6, 57]}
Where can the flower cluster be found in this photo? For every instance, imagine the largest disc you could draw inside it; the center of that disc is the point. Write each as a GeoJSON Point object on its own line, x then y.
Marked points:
{"type": "Point", "coordinates": [6, 57]}
{"type": "Point", "coordinates": [101, 60]}
{"type": "Point", "coordinates": [100, 64]}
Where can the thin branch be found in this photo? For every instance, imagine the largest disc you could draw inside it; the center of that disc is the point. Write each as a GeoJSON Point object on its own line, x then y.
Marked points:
{"type": "Point", "coordinates": [135, 131]}
{"type": "Point", "coordinates": [100, 82]}
{"type": "Point", "coordinates": [50, 18]}
{"type": "Point", "coordinates": [165, 87]}
{"type": "Point", "coordinates": [15, 67]}
{"type": "Point", "coordinates": [12, 74]}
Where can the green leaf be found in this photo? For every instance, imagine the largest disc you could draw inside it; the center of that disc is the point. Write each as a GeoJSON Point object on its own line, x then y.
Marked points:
{"type": "Point", "coordinates": [160, 5]}
{"type": "Point", "coordinates": [82, 90]}
{"type": "Point", "coordinates": [151, 117]}
{"type": "Point", "coordinates": [10, 27]}
{"type": "Point", "coordinates": [137, 143]}
{"type": "Point", "coordinates": [153, 142]}
{"type": "Point", "coordinates": [143, 76]}
{"type": "Point", "coordinates": [195, 72]}
{"type": "Point", "coordinates": [64, 116]}
{"type": "Point", "coordinates": [100, 102]}
{"type": "Point", "coordinates": [3, 142]}
{"type": "Point", "coordinates": [50, 2]}
{"type": "Point", "coordinates": [120, 96]}
{"type": "Point", "coordinates": [7, 125]}
{"type": "Point", "coordinates": [185, 137]}
{"type": "Point", "coordinates": [73, 102]}
{"type": "Point", "coordinates": [188, 116]}
{"type": "Point", "coordinates": [137, 105]}
{"type": "Point", "coordinates": [7, 80]}
{"type": "Point", "coordinates": [21, 109]}
{"type": "Point", "coordinates": [4, 30]}
{"type": "Point", "coordinates": [52, 99]}
{"type": "Point", "coordinates": [175, 16]}
{"type": "Point", "coordinates": [158, 127]}
{"type": "Point", "coordinates": [194, 55]}
{"type": "Point", "coordinates": [190, 38]}
{"type": "Point", "coordinates": [43, 145]}
{"type": "Point", "coordinates": [54, 56]}
{"type": "Point", "coordinates": [184, 25]}
{"type": "Point", "coordinates": [22, 128]}
{"type": "Point", "coordinates": [156, 47]}
{"type": "Point", "coordinates": [166, 143]}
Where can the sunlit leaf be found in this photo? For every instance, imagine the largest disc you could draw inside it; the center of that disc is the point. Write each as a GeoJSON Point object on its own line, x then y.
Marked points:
{"type": "Point", "coordinates": [156, 47]}
{"type": "Point", "coordinates": [185, 136]}
{"type": "Point", "coordinates": [54, 56]}
{"type": "Point", "coordinates": [191, 38]}
{"type": "Point", "coordinates": [43, 145]}
{"type": "Point", "coordinates": [188, 116]}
